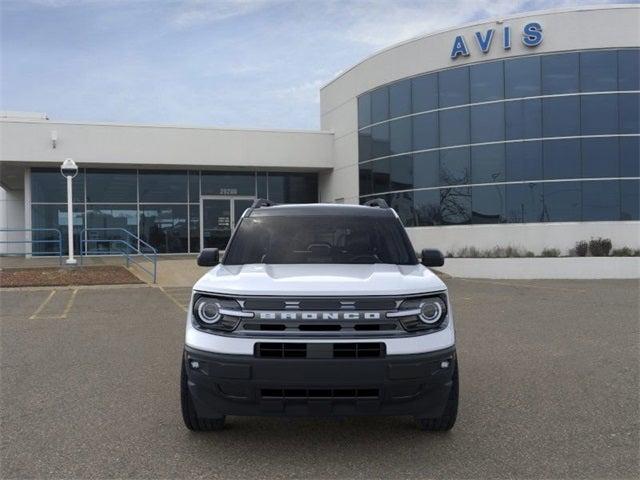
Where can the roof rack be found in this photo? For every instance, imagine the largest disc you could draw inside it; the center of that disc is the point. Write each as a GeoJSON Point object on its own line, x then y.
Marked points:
{"type": "Point", "coordinates": [262, 202]}
{"type": "Point", "coordinates": [376, 202]}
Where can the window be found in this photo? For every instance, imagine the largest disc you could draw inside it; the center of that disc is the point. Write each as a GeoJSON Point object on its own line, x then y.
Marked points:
{"type": "Point", "coordinates": [424, 93]}
{"type": "Point", "coordinates": [488, 164]}
{"type": "Point", "coordinates": [364, 145]}
{"type": "Point", "coordinates": [600, 200]}
{"type": "Point", "coordinates": [163, 186]}
{"type": "Point", "coordinates": [118, 186]}
{"type": "Point", "coordinates": [599, 114]}
{"type": "Point", "coordinates": [454, 166]}
{"type": "Point", "coordinates": [454, 127]}
{"type": "Point", "coordinates": [426, 169]}
{"type": "Point", "coordinates": [380, 141]}
{"type": "Point", "coordinates": [401, 172]}
{"type": "Point", "coordinates": [366, 178]}
{"type": "Point", "coordinates": [228, 183]}
{"type": "Point", "coordinates": [379, 105]}
{"type": "Point", "coordinates": [293, 187]}
{"type": "Point", "coordinates": [194, 227]}
{"type": "Point", "coordinates": [522, 77]}
{"type": "Point", "coordinates": [600, 157]}
{"type": "Point", "coordinates": [427, 207]}
{"type": "Point", "coordinates": [49, 186]}
{"type": "Point", "coordinates": [630, 156]}
{"type": "Point", "coordinates": [381, 175]}
{"type": "Point", "coordinates": [523, 161]}
{"type": "Point", "coordinates": [629, 69]}
{"type": "Point", "coordinates": [560, 73]}
{"type": "Point", "coordinates": [320, 239]}
{"type": "Point", "coordinates": [488, 204]}
{"type": "Point", "coordinates": [262, 185]}
{"type": "Point", "coordinates": [524, 203]}
{"type": "Point", "coordinates": [364, 110]}
{"type": "Point", "coordinates": [194, 186]}
{"type": "Point", "coordinates": [165, 227]}
{"type": "Point", "coordinates": [561, 117]}
{"type": "Point", "coordinates": [400, 135]}
{"type": "Point", "coordinates": [453, 86]}
{"type": "Point", "coordinates": [561, 159]}
{"type": "Point", "coordinates": [523, 119]}
{"type": "Point", "coordinates": [487, 123]}
{"type": "Point", "coordinates": [54, 216]}
{"type": "Point", "coordinates": [402, 203]}
{"type": "Point", "coordinates": [116, 218]}
{"type": "Point", "coordinates": [599, 71]}
{"type": "Point", "coordinates": [400, 99]}
{"type": "Point", "coordinates": [487, 81]}
{"type": "Point", "coordinates": [630, 199]}
{"type": "Point", "coordinates": [629, 113]}
{"type": "Point", "coordinates": [562, 202]}
{"type": "Point", "coordinates": [455, 206]}
{"type": "Point", "coordinates": [425, 131]}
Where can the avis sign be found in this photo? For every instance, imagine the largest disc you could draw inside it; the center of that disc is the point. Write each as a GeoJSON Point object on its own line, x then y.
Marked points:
{"type": "Point", "coordinates": [531, 37]}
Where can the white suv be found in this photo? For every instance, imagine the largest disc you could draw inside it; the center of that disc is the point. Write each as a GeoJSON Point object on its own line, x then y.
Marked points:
{"type": "Point", "coordinates": [319, 310]}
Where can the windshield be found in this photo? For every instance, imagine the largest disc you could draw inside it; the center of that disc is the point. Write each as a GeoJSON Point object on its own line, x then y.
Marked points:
{"type": "Point", "coordinates": [278, 239]}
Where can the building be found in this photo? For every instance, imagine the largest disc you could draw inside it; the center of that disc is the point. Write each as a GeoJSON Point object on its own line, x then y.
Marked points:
{"type": "Point", "coordinates": [521, 131]}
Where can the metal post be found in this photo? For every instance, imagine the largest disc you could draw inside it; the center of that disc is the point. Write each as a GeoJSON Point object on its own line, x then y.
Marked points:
{"type": "Point", "coordinates": [70, 260]}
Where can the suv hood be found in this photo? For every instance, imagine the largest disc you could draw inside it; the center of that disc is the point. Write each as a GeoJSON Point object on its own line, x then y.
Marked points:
{"type": "Point", "coordinates": [319, 280]}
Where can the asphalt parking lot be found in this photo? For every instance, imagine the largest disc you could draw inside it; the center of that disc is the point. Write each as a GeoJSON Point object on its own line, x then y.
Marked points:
{"type": "Point", "coordinates": [549, 388]}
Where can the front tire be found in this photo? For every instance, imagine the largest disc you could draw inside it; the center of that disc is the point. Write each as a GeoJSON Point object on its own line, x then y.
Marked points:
{"type": "Point", "coordinates": [191, 419]}
{"type": "Point", "coordinates": [448, 418]}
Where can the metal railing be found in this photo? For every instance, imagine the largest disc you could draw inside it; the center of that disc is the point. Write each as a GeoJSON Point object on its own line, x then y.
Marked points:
{"type": "Point", "coordinates": [33, 241]}
{"type": "Point", "coordinates": [132, 248]}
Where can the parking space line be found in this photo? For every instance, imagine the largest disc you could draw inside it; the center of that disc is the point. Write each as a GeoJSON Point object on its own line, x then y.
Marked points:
{"type": "Point", "coordinates": [69, 304]}
{"type": "Point", "coordinates": [173, 299]}
{"type": "Point", "coordinates": [42, 305]}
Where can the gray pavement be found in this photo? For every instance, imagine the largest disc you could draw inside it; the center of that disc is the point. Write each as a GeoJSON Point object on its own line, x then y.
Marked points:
{"type": "Point", "coordinates": [549, 389]}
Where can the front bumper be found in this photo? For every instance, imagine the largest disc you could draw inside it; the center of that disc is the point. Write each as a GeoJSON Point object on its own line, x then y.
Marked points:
{"type": "Point", "coordinates": [246, 385]}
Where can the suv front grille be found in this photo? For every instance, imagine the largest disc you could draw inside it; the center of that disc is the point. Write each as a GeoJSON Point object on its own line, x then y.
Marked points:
{"type": "Point", "coordinates": [325, 393]}
{"type": "Point", "coordinates": [320, 303]}
{"type": "Point", "coordinates": [320, 350]}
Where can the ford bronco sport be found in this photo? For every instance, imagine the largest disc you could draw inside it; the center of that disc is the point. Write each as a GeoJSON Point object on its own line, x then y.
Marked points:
{"type": "Point", "coordinates": [319, 310]}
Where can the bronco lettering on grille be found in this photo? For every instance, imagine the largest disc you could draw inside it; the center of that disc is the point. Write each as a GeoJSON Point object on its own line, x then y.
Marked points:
{"type": "Point", "coordinates": [319, 315]}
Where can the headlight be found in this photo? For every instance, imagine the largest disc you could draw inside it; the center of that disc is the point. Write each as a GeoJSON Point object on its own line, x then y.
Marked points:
{"type": "Point", "coordinates": [208, 310]}
{"type": "Point", "coordinates": [431, 310]}
{"type": "Point", "coordinates": [213, 313]}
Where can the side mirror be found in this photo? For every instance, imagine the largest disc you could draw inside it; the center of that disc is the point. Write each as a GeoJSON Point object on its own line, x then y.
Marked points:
{"type": "Point", "coordinates": [209, 257]}
{"type": "Point", "coordinates": [432, 258]}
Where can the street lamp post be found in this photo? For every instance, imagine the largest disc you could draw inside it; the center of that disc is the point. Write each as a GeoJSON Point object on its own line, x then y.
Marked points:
{"type": "Point", "coordinates": [69, 170]}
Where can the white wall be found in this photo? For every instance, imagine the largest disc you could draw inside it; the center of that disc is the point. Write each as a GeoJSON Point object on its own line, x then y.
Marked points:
{"type": "Point", "coordinates": [11, 217]}
{"type": "Point", "coordinates": [29, 141]}
{"type": "Point", "coordinates": [532, 236]}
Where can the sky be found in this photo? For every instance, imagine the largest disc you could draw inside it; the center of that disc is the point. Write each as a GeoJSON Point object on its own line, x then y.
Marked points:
{"type": "Point", "coordinates": [227, 63]}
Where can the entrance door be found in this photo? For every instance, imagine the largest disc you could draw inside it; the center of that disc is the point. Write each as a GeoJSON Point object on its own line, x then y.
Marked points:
{"type": "Point", "coordinates": [218, 218]}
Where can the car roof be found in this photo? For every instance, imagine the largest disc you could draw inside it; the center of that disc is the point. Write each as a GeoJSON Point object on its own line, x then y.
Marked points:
{"type": "Point", "coordinates": [313, 209]}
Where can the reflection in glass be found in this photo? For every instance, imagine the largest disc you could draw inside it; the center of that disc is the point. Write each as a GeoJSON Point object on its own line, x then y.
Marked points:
{"type": "Point", "coordinates": [380, 141]}
{"type": "Point", "coordinates": [488, 164]}
{"type": "Point", "coordinates": [49, 186]}
{"type": "Point", "coordinates": [402, 203]}
{"type": "Point", "coordinates": [400, 135]}
{"type": "Point", "coordinates": [599, 114]}
{"type": "Point", "coordinates": [454, 127]}
{"type": "Point", "coordinates": [426, 169]}
{"type": "Point", "coordinates": [455, 205]}
{"type": "Point", "coordinates": [115, 218]}
{"type": "Point", "coordinates": [293, 187]}
{"type": "Point", "coordinates": [165, 227]}
{"type": "Point", "coordinates": [379, 104]}
{"type": "Point", "coordinates": [522, 77]}
{"type": "Point", "coordinates": [561, 116]}
{"type": "Point", "coordinates": [453, 87]}
{"type": "Point", "coordinates": [364, 110]}
{"type": "Point", "coordinates": [117, 186]}
{"type": "Point", "coordinates": [261, 185]}
{"type": "Point", "coordinates": [366, 178]}
{"type": "Point", "coordinates": [487, 123]}
{"type": "Point", "coordinates": [524, 203]}
{"type": "Point", "coordinates": [400, 99]}
{"type": "Point", "coordinates": [630, 199]}
{"type": "Point", "coordinates": [599, 71]}
{"type": "Point", "coordinates": [560, 73]}
{"type": "Point", "coordinates": [600, 200]}
{"type": "Point", "coordinates": [427, 207]}
{"type": "Point", "coordinates": [523, 119]}
{"type": "Point", "coordinates": [630, 157]}
{"type": "Point", "coordinates": [54, 216]}
{"type": "Point", "coordinates": [629, 113]}
{"type": "Point", "coordinates": [424, 93]}
{"type": "Point", "coordinates": [163, 186]}
{"type": "Point", "coordinates": [600, 157]}
{"type": "Point", "coordinates": [562, 202]}
{"type": "Point", "coordinates": [425, 131]}
{"type": "Point", "coordinates": [487, 81]}
{"type": "Point", "coordinates": [561, 159]}
{"type": "Point", "coordinates": [381, 175]}
{"type": "Point", "coordinates": [629, 69]}
{"type": "Point", "coordinates": [523, 161]}
{"type": "Point", "coordinates": [455, 166]}
{"type": "Point", "coordinates": [488, 204]}
{"type": "Point", "coordinates": [401, 172]}
{"type": "Point", "coordinates": [228, 183]}
{"type": "Point", "coordinates": [364, 145]}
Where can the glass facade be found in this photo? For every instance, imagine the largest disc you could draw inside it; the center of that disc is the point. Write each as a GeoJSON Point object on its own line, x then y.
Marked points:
{"type": "Point", "coordinates": [162, 207]}
{"type": "Point", "coordinates": [545, 138]}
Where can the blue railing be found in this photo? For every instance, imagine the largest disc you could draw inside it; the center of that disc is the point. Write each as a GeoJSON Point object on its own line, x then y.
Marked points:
{"type": "Point", "coordinates": [132, 248]}
{"type": "Point", "coordinates": [57, 240]}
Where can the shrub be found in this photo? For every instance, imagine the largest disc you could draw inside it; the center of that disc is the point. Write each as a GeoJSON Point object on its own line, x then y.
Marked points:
{"type": "Point", "coordinates": [550, 252]}
{"type": "Point", "coordinates": [625, 252]}
{"type": "Point", "coordinates": [600, 247]}
{"type": "Point", "coordinates": [581, 248]}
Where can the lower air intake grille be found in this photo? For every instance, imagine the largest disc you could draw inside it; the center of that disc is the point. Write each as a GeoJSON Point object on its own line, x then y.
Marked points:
{"type": "Point", "coordinates": [358, 350]}
{"type": "Point", "coordinates": [320, 350]}
{"type": "Point", "coordinates": [331, 393]}
{"type": "Point", "coordinates": [282, 350]}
